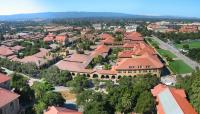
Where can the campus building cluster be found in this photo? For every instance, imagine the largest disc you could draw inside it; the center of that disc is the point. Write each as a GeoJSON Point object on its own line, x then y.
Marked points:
{"type": "Point", "coordinates": [136, 58]}
{"type": "Point", "coordinates": [166, 27]}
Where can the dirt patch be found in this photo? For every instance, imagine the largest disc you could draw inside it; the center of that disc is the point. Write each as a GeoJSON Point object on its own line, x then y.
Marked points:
{"type": "Point", "coordinates": [67, 95]}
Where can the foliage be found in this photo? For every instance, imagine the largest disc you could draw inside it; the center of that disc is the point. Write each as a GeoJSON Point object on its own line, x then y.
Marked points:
{"type": "Point", "coordinates": [40, 88]}
{"type": "Point", "coordinates": [124, 97]}
{"type": "Point", "coordinates": [107, 66]}
{"type": "Point", "coordinates": [94, 102]}
{"type": "Point", "coordinates": [186, 46]}
{"type": "Point", "coordinates": [21, 87]}
{"type": "Point", "coordinates": [79, 83]}
{"type": "Point", "coordinates": [191, 84]}
{"type": "Point", "coordinates": [55, 76]}
{"type": "Point", "coordinates": [39, 107]}
{"type": "Point", "coordinates": [83, 45]}
{"type": "Point", "coordinates": [119, 36]}
{"type": "Point", "coordinates": [145, 103]}
{"type": "Point", "coordinates": [28, 68]}
{"type": "Point", "coordinates": [31, 47]}
{"type": "Point", "coordinates": [45, 97]}
{"type": "Point", "coordinates": [194, 54]}
{"type": "Point", "coordinates": [114, 54]}
{"type": "Point", "coordinates": [53, 98]}
{"type": "Point", "coordinates": [97, 60]}
{"type": "Point", "coordinates": [144, 31]}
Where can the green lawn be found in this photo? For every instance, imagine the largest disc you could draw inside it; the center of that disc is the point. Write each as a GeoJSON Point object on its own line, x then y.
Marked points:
{"type": "Point", "coordinates": [193, 44]}
{"type": "Point", "coordinates": [179, 67]}
{"type": "Point", "coordinates": [166, 53]}
{"type": "Point", "coordinates": [152, 41]}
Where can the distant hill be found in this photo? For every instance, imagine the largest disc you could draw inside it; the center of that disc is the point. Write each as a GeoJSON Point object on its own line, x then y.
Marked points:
{"type": "Point", "coordinates": [65, 15]}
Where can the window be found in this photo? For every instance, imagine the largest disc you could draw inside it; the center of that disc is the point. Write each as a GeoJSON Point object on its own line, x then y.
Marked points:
{"type": "Point", "coordinates": [148, 66]}
{"type": "Point", "coordinates": [139, 66]}
{"type": "Point", "coordinates": [129, 71]}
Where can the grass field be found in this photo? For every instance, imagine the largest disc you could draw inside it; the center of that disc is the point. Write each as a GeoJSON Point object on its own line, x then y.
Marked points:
{"type": "Point", "coordinates": [179, 67]}
{"type": "Point", "coordinates": [151, 41]}
{"type": "Point", "coordinates": [193, 44]}
{"type": "Point", "coordinates": [165, 53]}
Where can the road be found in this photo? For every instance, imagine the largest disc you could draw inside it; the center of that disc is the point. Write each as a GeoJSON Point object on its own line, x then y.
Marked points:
{"type": "Point", "coordinates": [166, 46]}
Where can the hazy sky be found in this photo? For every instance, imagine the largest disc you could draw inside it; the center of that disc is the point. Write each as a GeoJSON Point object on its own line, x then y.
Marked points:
{"type": "Point", "coordinates": [190, 8]}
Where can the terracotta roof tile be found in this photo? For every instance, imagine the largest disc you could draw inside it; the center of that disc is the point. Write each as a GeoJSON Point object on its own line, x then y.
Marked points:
{"type": "Point", "coordinates": [5, 51]}
{"type": "Point", "coordinates": [4, 78]}
{"type": "Point", "coordinates": [7, 97]}
{"type": "Point", "coordinates": [106, 72]}
{"type": "Point", "coordinates": [141, 62]}
{"type": "Point", "coordinates": [61, 110]}
{"type": "Point", "coordinates": [133, 36]}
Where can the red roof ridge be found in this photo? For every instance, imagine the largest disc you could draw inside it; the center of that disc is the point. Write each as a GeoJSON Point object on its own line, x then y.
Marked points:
{"type": "Point", "coordinates": [4, 78]}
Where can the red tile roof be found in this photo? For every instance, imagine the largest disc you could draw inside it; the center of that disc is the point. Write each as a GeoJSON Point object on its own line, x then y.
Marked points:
{"type": "Point", "coordinates": [80, 58]}
{"type": "Point", "coordinates": [105, 36]}
{"type": "Point", "coordinates": [61, 110]}
{"type": "Point", "coordinates": [73, 66]}
{"type": "Point", "coordinates": [49, 38]}
{"type": "Point", "coordinates": [17, 48]}
{"type": "Point", "coordinates": [6, 97]}
{"type": "Point", "coordinates": [146, 61]}
{"type": "Point", "coordinates": [39, 58]}
{"type": "Point", "coordinates": [106, 72]}
{"type": "Point", "coordinates": [188, 28]}
{"type": "Point", "coordinates": [61, 38]}
{"type": "Point", "coordinates": [100, 50]}
{"type": "Point", "coordinates": [4, 78]}
{"type": "Point", "coordinates": [179, 96]}
{"type": "Point", "coordinates": [133, 36]}
{"type": "Point", "coordinates": [5, 51]}
{"type": "Point", "coordinates": [138, 49]}
{"type": "Point", "coordinates": [108, 41]}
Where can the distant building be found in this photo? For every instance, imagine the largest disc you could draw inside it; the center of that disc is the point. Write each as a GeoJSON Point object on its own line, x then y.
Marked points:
{"type": "Point", "coordinates": [188, 28]}
{"type": "Point", "coordinates": [97, 26]}
{"type": "Point", "coordinates": [131, 37]}
{"type": "Point", "coordinates": [61, 39]}
{"type": "Point", "coordinates": [9, 102]}
{"type": "Point", "coordinates": [171, 100]}
{"type": "Point", "coordinates": [107, 39]}
{"type": "Point", "coordinates": [60, 110]}
{"type": "Point", "coordinates": [131, 28]}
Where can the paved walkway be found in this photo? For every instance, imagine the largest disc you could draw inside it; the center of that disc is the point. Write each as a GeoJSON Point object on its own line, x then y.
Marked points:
{"type": "Point", "coordinates": [187, 60]}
